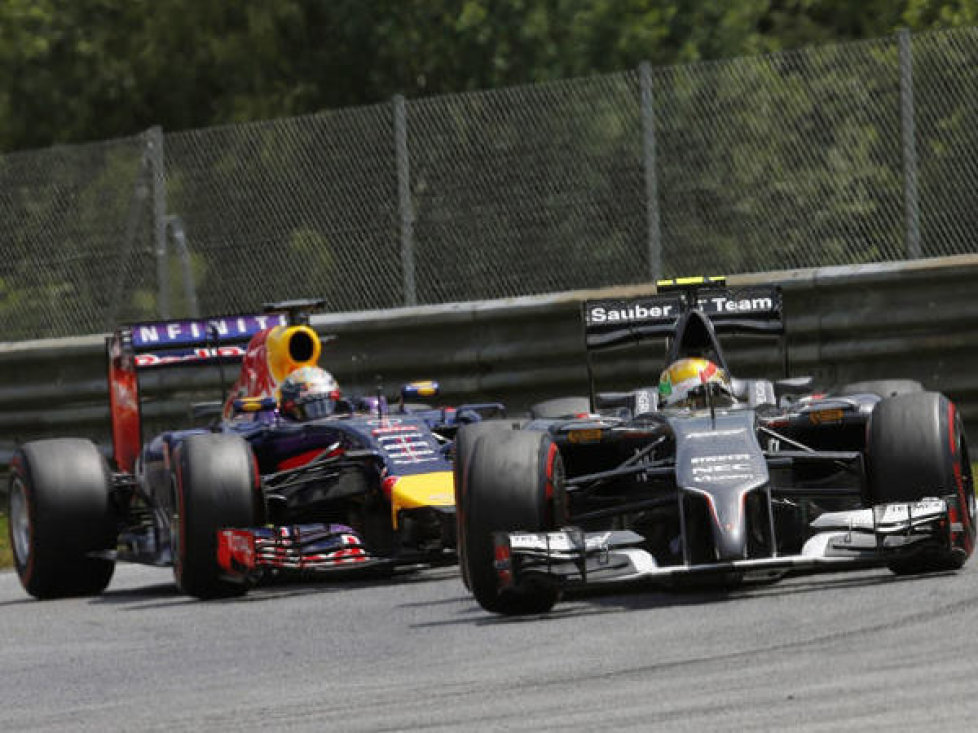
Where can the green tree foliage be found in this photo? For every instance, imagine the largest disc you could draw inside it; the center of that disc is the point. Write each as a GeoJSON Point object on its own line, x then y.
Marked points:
{"type": "Point", "coordinates": [96, 69]}
{"type": "Point", "coordinates": [755, 156]}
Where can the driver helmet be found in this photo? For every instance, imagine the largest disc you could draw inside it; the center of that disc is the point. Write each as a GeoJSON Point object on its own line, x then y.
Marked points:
{"type": "Point", "coordinates": [684, 384]}
{"type": "Point", "coordinates": [308, 393]}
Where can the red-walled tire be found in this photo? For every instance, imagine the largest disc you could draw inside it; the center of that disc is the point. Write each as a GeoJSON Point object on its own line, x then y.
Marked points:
{"type": "Point", "coordinates": [917, 449]}
{"type": "Point", "coordinates": [216, 487]}
{"type": "Point", "coordinates": [61, 518]}
{"type": "Point", "coordinates": [465, 440]}
{"type": "Point", "coordinates": [514, 482]}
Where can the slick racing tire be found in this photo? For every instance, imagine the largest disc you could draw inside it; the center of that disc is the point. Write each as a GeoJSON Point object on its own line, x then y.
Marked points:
{"type": "Point", "coordinates": [884, 387]}
{"type": "Point", "coordinates": [465, 440]}
{"type": "Point", "coordinates": [560, 407]}
{"type": "Point", "coordinates": [61, 517]}
{"type": "Point", "coordinates": [514, 482]}
{"type": "Point", "coordinates": [216, 487]}
{"type": "Point", "coordinates": [917, 449]}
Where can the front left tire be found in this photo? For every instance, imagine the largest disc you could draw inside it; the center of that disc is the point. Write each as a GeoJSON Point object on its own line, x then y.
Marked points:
{"type": "Point", "coordinates": [514, 481]}
{"type": "Point", "coordinates": [917, 448]}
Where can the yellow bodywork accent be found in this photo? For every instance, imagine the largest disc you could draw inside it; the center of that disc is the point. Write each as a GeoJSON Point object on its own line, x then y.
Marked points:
{"type": "Point", "coordinates": [421, 490]}
{"type": "Point", "coordinates": [249, 404]}
{"type": "Point", "coordinates": [280, 361]}
{"type": "Point", "coordinates": [698, 280]}
{"type": "Point", "coordinates": [826, 417]}
{"type": "Point", "coordinates": [591, 435]}
{"type": "Point", "coordinates": [424, 389]}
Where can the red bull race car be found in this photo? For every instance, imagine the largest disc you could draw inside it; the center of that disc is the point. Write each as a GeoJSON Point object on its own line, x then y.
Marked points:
{"type": "Point", "coordinates": [288, 480]}
{"type": "Point", "coordinates": [705, 478]}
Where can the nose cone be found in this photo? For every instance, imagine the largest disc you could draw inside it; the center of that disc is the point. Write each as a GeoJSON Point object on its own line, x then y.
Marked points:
{"type": "Point", "coordinates": [721, 460]}
{"type": "Point", "coordinates": [729, 524]}
{"type": "Point", "coordinates": [435, 489]}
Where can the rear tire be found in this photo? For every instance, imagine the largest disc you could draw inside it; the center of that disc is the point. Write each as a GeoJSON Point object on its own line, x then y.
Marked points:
{"type": "Point", "coordinates": [514, 482]}
{"type": "Point", "coordinates": [560, 407]}
{"type": "Point", "coordinates": [216, 488]}
{"type": "Point", "coordinates": [60, 513]}
{"type": "Point", "coordinates": [917, 448]}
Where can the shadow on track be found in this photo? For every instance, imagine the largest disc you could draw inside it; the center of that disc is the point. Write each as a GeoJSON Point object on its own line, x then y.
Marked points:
{"type": "Point", "coordinates": [269, 589]}
{"type": "Point", "coordinates": [645, 596]}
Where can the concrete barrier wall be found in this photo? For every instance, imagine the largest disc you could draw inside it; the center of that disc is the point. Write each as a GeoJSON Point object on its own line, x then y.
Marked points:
{"type": "Point", "coordinates": [898, 320]}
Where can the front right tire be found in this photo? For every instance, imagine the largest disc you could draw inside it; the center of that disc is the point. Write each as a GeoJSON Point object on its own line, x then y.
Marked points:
{"type": "Point", "coordinates": [216, 487]}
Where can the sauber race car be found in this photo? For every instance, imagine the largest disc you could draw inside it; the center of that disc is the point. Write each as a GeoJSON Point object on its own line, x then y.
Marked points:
{"type": "Point", "coordinates": [274, 485]}
{"type": "Point", "coordinates": [705, 478]}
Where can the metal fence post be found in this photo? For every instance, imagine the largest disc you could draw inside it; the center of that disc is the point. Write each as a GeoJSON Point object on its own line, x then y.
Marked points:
{"type": "Point", "coordinates": [154, 147]}
{"type": "Point", "coordinates": [910, 193]}
{"type": "Point", "coordinates": [405, 206]}
{"type": "Point", "coordinates": [174, 226]}
{"type": "Point", "coordinates": [137, 202]}
{"type": "Point", "coordinates": [651, 181]}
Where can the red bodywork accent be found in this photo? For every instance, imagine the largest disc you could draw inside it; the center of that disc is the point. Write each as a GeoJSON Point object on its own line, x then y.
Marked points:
{"type": "Point", "coordinates": [124, 406]}
{"type": "Point", "coordinates": [241, 551]}
{"type": "Point", "coordinates": [387, 486]}
{"type": "Point", "coordinates": [255, 379]}
{"type": "Point", "coordinates": [268, 360]}
{"type": "Point", "coordinates": [303, 458]}
{"type": "Point", "coordinates": [236, 550]}
{"type": "Point", "coordinates": [504, 564]}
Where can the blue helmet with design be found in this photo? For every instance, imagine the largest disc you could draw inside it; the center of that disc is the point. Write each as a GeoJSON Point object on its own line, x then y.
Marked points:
{"type": "Point", "coordinates": [308, 393]}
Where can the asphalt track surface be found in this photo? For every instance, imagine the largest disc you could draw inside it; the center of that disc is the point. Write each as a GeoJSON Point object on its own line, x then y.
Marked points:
{"type": "Point", "coordinates": [864, 650]}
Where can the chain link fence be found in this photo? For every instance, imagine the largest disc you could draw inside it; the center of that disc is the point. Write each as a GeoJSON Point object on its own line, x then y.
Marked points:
{"type": "Point", "coordinates": [852, 153]}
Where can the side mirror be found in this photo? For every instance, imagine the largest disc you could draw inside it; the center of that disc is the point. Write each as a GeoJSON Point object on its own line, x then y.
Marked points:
{"type": "Point", "coordinates": [253, 404]}
{"type": "Point", "coordinates": [415, 390]}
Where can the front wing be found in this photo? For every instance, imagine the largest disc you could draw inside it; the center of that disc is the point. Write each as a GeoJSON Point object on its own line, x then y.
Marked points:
{"type": "Point", "coordinates": [571, 557]}
{"type": "Point", "coordinates": [298, 548]}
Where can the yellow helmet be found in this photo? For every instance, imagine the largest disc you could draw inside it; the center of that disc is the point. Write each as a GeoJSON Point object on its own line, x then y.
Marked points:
{"type": "Point", "coordinates": [684, 383]}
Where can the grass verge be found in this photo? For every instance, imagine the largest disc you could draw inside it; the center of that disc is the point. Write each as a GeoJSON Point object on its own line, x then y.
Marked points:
{"type": "Point", "coordinates": [6, 558]}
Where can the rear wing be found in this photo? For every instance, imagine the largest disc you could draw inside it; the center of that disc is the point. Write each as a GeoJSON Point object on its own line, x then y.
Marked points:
{"type": "Point", "coordinates": [201, 341]}
{"type": "Point", "coordinates": [610, 322]}
{"type": "Point", "coordinates": [614, 321]}
{"type": "Point", "coordinates": [136, 347]}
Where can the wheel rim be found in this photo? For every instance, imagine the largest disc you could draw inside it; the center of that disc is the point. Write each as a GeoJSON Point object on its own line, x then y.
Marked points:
{"type": "Point", "coordinates": [20, 522]}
